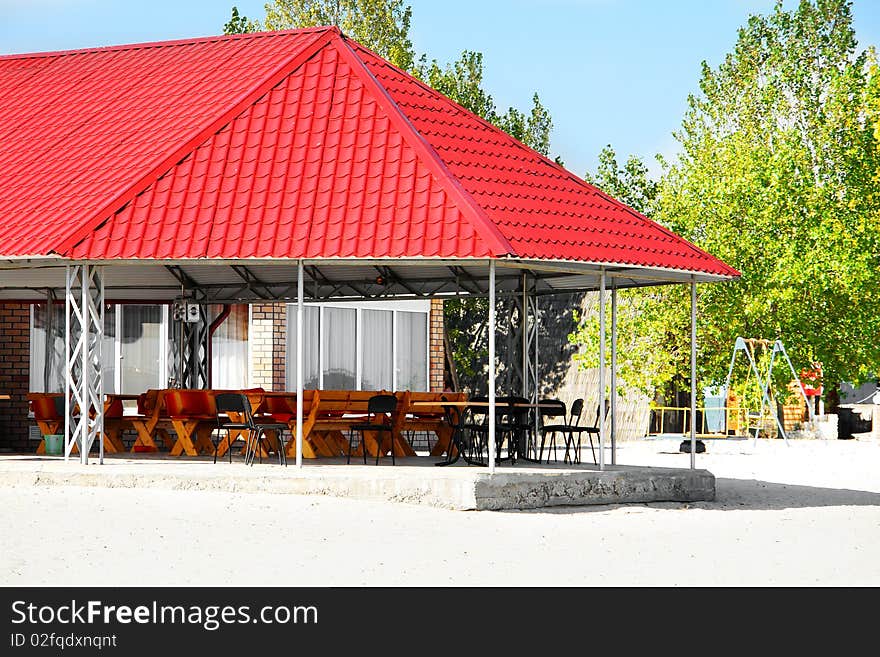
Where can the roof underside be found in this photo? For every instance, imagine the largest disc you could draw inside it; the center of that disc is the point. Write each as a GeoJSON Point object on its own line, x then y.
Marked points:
{"type": "Point", "coordinates": [290, 145]}
{"type": "Point", "coordinates": [239, 281]}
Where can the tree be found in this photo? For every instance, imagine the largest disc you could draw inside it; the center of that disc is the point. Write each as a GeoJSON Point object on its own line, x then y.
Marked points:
{"type": "Point", "coordinates": [778, 176]}
{"type": "Point", "coordinates": [240, 24]}
{"type": "Point", "coordinates": [630, 184]}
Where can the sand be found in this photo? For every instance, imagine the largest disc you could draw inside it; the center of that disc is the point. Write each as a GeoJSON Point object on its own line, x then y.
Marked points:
{"type": "Point", "coordinates": [803, 515]}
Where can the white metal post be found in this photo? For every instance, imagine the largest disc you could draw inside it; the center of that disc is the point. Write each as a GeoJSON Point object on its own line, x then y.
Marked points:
{"type": "Point", "coordinates": [613, 371]}
{"type": "Point", "coordinates": [693, 372]}
{"type": "Point", "coordinates": [69, 438]}
{"type": "Point", "coordinates": [524, 321]}
{"type": "Point", "coordinates": [491, 366]}
{"type": "Point", "coordinates": [602, 369]}
{"type": "Point", "coordinates": [299, 364]}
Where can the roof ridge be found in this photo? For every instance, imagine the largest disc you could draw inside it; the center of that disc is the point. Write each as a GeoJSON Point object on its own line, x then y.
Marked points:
{"type": "Point", "coordinates": [79, 232]}
{"type": "Point", "coordinates": [162, 44]}
{"type": "Point", "coordinates": [477, 215]}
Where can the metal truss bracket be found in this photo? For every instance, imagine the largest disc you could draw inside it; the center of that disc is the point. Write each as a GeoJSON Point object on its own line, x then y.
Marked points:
{"type": "Point", "coordinates": [84, 382]}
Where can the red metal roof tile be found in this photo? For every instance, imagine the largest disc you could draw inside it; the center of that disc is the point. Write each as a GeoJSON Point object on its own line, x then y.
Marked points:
{"type": "Point", "coordinates": [283, 145]}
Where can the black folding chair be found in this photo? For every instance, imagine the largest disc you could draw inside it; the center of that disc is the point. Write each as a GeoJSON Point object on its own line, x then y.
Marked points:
{"type": "Point", "coordinates": [237, 403]}
{"type": "Point", "coordinates": [573, 427]}
{"type": "Point", "coordinates": [551, 408]}
{"type": "Point", "coordinates": [469, 430]}
{"type": "Point", "coordinates": [514, 424]}
{"type": "Point", "coordinates": [377, 405]}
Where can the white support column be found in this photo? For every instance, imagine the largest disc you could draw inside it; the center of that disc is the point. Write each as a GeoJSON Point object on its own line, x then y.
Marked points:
{"type": "Point", "coordinates": [69, 429]}
{"type": "Point", "coordinates": [524, 321]}
{"type": "Point", "coordinates": [693, 372]}
{"type": "Point", "coordinates": [602, 369]}
{"type": "Point", "coordinates": [84, 384]}
{"type": "Point", "coordinates": [299, 364]}
{"type": "Point", "coordinates": [491, 366]}
{"type": "Point", "coordinates": [613, 371]}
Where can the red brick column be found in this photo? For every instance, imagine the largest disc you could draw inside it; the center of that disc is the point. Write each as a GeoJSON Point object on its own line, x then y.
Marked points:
{"type": "Point", "coordinates": [436, 350]}
{"type": "Point", "coordinates": [14, 377]}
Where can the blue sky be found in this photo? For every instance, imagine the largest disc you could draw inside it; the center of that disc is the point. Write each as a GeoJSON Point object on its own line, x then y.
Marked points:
{"type": "Point", "coordinates": [610, 71]}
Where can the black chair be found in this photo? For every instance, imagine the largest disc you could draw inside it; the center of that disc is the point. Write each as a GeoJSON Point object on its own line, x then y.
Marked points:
{"type": "Point", "coordinates": [475, 431]}
{"type": "Point", "coordinates": [377, 405]}
{"type": "Point", "coordinates": [573, 428]}
{"type": "Point", "coordinates": [551, 408]}
{"type": "Point", "coordinates": [238, 404]}
{"type": "Point", "coordinates": [515, 425]}
{"type": "Point", "coordinates": [469, 430]}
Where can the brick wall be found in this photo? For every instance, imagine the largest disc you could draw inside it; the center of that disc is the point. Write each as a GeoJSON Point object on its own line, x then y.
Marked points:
{"type": "Point", "coordinates": [436, 350]}
{"type": "Point", "coordinates": [14, 377]}
{"type": "Point", "coordinates": [260, 336]}
{"type": "Point", "coordinates": [279, 346]}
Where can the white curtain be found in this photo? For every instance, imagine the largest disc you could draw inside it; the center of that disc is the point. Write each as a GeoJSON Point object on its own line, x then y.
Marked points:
{"type": "Point", "coordinates": [229, 348]}
{"type": "Point", "coordinates": [40, 326]}
{"type": "Point", "coordinates": [311, 372]}
{"type": "Point", "coordinates": [412, 351]}
{"type": "Point", "coordinates": [108, 349]}
{"type": "Point", "coordinates": [140, 347]}
{"type": "Point", "coordinates": [376, 350]}
{"type": "Point", "coordinates": [340, 349]}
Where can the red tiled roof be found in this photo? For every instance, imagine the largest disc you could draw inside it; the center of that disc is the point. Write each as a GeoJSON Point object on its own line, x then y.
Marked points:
{"type": "Point", "coordinates": [284, 145]}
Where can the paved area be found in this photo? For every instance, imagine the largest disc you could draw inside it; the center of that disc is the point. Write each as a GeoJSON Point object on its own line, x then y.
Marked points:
{"type": "Point", "coordinates": [804, 515]}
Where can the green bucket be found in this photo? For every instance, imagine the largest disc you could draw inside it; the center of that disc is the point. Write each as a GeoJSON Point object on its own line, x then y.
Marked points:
{"type": "Point", "coordinates": [54, 444]}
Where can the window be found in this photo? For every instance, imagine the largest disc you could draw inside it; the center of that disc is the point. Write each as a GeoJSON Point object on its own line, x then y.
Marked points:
{"type": "Point", "coordinates": [339, 365]}
{"type": "Point", "coordinates": [361, 346]}
{"type": "Point", "coordinates": [229, 348]}
{"type": "Point", "coordinates": [133, 353]}
{"type": "Point", "coordinates": [311, 348]}
{"type": "Point", "coordinates": [377, 350]}
{"type": "Point", "coordinates": [412, 350]}
{"type": "Point", "coordinates": [140, 348]}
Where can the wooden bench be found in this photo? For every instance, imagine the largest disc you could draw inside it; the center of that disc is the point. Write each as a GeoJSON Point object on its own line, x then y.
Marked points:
{"type": "Point", "coordinates": [42, 404]}
{"type": "Point", "coordinates": [327, 414]}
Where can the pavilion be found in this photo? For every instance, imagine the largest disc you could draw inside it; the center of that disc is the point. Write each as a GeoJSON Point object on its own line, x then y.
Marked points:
{"type": "Point", "coordinates": [293, 165]}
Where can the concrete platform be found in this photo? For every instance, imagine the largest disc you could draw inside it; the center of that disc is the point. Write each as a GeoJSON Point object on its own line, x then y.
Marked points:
{"type": "Point", "coordinates": [412, 480]}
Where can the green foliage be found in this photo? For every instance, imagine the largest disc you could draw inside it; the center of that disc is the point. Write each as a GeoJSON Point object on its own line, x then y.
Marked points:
{"type": "Point", "coordinates": [778, 175]}
{"type": "Point", "coordinates": [462, 81]}
{"type": "Point", "coordinates": [642, 364]}
{"type": "Point", "coordinates": [630, 184]}
{"type": "Point", "coordinates": [380, 25]}
{"type": "Point", "coordinates": [240, 24]}
{"type": "Point", "coordinates": [778, 178]}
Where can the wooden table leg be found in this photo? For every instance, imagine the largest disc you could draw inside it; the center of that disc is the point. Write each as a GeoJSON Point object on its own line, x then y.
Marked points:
{"type": "Point", "coordinates": [144, 430]}
{"type": "Point", "coordinates": [184, 430]}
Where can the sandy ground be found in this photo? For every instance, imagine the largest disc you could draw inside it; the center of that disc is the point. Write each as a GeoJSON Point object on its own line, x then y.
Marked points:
{"type": "Point", "coordinates": [803, 515]}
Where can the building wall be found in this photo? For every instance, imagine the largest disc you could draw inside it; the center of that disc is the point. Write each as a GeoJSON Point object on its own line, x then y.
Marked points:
{"type": "Point", "coordinates": [261, 339]}
{"type": "Point", "coordinates": [279, 346]}
{"type": "Point", "coordinates": [436, 350]}
{"type": "Point", "coordinates": [14, 376]}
